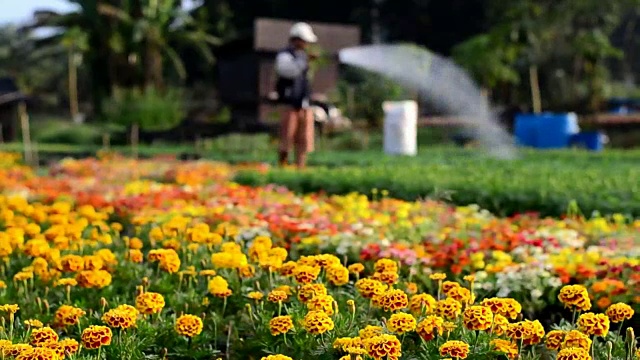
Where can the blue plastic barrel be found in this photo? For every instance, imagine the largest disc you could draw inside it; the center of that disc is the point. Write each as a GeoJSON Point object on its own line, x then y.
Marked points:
{"type": "Point", "coordinates": [591, 140]}
{"type": "Point", "coordinates": [525, 129]}
{"type": "Point", "coordinates": [555, 130]}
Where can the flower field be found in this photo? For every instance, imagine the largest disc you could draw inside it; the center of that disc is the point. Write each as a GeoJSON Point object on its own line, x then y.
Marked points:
{"type": "Point", "coordinates": [113, 258]}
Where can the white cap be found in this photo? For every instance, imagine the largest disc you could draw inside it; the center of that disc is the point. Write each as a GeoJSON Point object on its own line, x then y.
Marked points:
{"type": "Point", "coordinates": [303, 31]}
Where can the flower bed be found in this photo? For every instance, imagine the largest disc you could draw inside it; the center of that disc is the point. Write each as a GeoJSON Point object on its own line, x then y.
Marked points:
{"type": "Point", "coordinates": [169, 260]}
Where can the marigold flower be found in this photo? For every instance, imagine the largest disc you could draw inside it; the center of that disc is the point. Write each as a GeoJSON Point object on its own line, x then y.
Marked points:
{"type": "Point", "coordinates": [255, 295]}
{"type": "Point", "coordinates": [322, 303]}
{"type": "Point", "coordinates": [448, 308]}
{"type": "Point", "coordinates": [437, 276]}
{"type": "Point", "coordinates": [67, 315]}
{"type": "Point", "coordinates": [149, 303]}
{"type": "Point", "coordinates": [575, 297]}
{"type": "Point", "coordinates": [14, 350]}
{"type": "Point", "coordinates": [352, 346]}
{"type": "Point", "coordinates": [576, 339]}
{"type": "Point", "coordinates": [369, 287]}
{"type": "Point", "coordinates": [3, 285]}
{"type": "Point", "coordinates": [43, 336]}
{"type": "Point", "coordinates": [448, 286]}
{"type": "Point", "coordinates": [317, 322]}
{"type": "Point", "coordinates": [594, 324]}
{"type": "Point", "coordinates": [287, 268]}
{"type": "Point", "coordinates": [229, 260]}
{"type": "Point", "coordinates": [135, 255]}
{"type": "Point", "coordinates": [455, 349]}
{"type": "Point", "coordinates": [207, 273]}
{"type": "Point", "coordinates": [356, 268]}
{"type": "Point", "coordinates": [431, 326]}
{"type": "Point", "coordinates": [40, 353]}
{"type": "Point", "coordinates": [554, 339]}
{"type": "Point", "coordinates": [276, 357]}
{"type": "Point", "coordinates": [411, 288]}
{"type": "Point", "coordinates": [72, 263]}
{"type": "Point", "coordinates": [383, 347]}
{"type": "Point", "coordinates": [401, 323]}
{"type": "Point", "coordinates": [219, 287]}
{"type": "Point", "coordinates": [66, 282]}
{"type": "Point", "coordinates": [338, 275]}
{"type": "Point", "coordinates": [57, 349]}
{"type": "Point", "coordinates": [96, 336]}
{"type": "Point", "coordinates": [510, 349]}
{"type": "Point", "coordinates": [500, 324]}
{"type": "Point", "coordinates": [280, 325]}
{"type": "Point", "coordinates": [93, 279]}
{"type": "Point", "coordinates": [309, 291]}
{"type": "Point", "coordinates": [387, 277]}
{"type": "Point", "coordinates": [573, 354]}
{"type": "Point", "coordinates": [119, 319]}
{"type": "Point", "coordinates": [477, 318]}
{"type": "Point", "coordinates": [34, 323]}
{"type": "Point", "coordinates": [504, 306]}
{"type": "Point", "coordinates": [370, 331]}
{"type": "Point", "coordinates": [619, 312]}
{"type": "Point", "coordinates": [422, 304]}
{"type": "Point", "coordinates": [305, 274]}
{"type": "Point", "coordinates": [392, 300]}
{"type": "Point", "coordinates": [188, 325]}
{"type": "Point", "coordinates": [70, 346]}
{"type": "Point", "coordinates": [534, 332]}
{"type": "Point", "coordinates": [277, 296]}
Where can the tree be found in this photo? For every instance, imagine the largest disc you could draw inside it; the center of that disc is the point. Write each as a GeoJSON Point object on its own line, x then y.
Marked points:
{"type": "Point", "coordinates": [75, 42]}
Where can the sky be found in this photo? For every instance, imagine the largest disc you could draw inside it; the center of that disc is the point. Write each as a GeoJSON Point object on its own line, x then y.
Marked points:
{"type": "Point", "coordinates": [20, 11]}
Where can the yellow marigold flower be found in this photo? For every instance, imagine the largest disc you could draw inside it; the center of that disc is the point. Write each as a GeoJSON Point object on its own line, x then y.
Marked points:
{"type": "Point", "coordinates": [228, 260]}
{"type": "Point", "coordinates": [72, 263]}
{"type": "Point", "coordinates": [43, 336]}
{"type": "Point", "coordinates": [309, 291]}
{"type": "Point", "coordinates": [510, 349]}
{"type": "Point", "coordinates": [287, 268]}
{"type": "Point", "coordinates": [3, 285]}
{"type": "Point", "coordinates": [4, 344]}
{"type": "Point", "coordinates": [383, 347]}
{"type": "Point", "coordinates": [120, 319]}
{"type": "Point", "coordinates": [448, 308]}
{"type": "Point", "coordinates": [619, 312]}
{"type": "Point", "coordinates": [135, 255]}
{"type": "Point", "coordinates": [66, 282]}
{"type": "Point", "coordinates": [247, 271]}
{"type": "Point", "coordinates": [15, 350]}
{"type": "Point", "coordinates": [57, 348]}
{"type": "Point", "coordinates": [369, 287]}
{"type": "Point", "coordinates": [554, 339]}
{"type": "Point", "coordinates": [385, 265]}
{"type": "Point", "coordinates": [401, 323]}
{"type": "Point", "coordinates": [500, 324]}
{"type": "Point", "coordinates": [317, 322]}
{"type": "Point", "coordinates": [277, 296]}
{"type": "Point", "coordinates": [322, 303]}
{"type": "Point", "coordinates": [96, 336]}
{"type": "Point", "coordinates": [9, 308]}
{"type": "Point", "coordinates": [411, 288]}
{"type": "Point", "coordinates": [430, 327]}
{"type": "Point", "coordinates": [392, 300]}
{"type": "Point", "coordinates": [356, 268]}
{"type": "Point", "coordinates": [208, 273]}
{"type": "Point", "coordinates": [370, 331]}
{"type": "Point", "coordinates": [305, 274]}
{"type": "Point", "coordinates": [422, 304]}
{"type": "Point", "coordinates": [276, 357]}
{"type": "Point", "coordinates": [447, 286]}
{"type": "Point", "coordinates": [70, 346]}
{"type": "Point", "coordinates": [455, 349]}
{"type": "Point", "coordinates": [352, 346]}
{"type": "Point", "coordinates": [477, 318]}
{"type": "Point", "coordinates": [231, 248]}
{"type": "Point", "coordinates": [188, 325]}
{"type": "Point", "coordinates": [594, 324]}
{"type": "Point", "coordinates": [135, 244]}
{"type": "Point", "coordinates": [67, 315]}
{"type": "Point", "coordinates": [150, 303]}
{"type": "Point", "coordinates": [327, 260]}
{"type": "Point", "coordinates": [576, 339]}
{"type": "Point", "coordinates": [573, 354]}
{"type": "Point", "coordinates": [338, 275]}
{"type": "Point", "coordinates": [437, 276]}
{"type": "Point", "coordinates": [504, 306]}
{"type": "Point", "coordinates": [94, 279]}
{"type": "Point", "coordinates": [34, 323]}
{"type": "Point", "coordinates": [285, 288]}
{"type": "Point", "coordinates": [387, 277]}
{"type": "Point", "coordinates": [461, 294]}
{"type": "Point", "coordinates": [575, 297]}
{"type": "Point", "coordinates": [23, 276]}
{"type": "Point", "coordinates": [38, 354]}
{"type": "Point", "coordinates": [280, 325]}
{"type": "Point", "coordinates": [534, 332]}
{"type": "Point", "coordinates": [219, 287]}
{"type": "Point", "coordinates": [255, 295]}
{"type": "Point", "coordinates": [93, 262]}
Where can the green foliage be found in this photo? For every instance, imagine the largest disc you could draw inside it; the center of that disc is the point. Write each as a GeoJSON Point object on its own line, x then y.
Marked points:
{"type": "Point", "coordinates": [542, 182]}
{"type": "Point", "coordinates": [151, 109]}
{"type": "Point", "coordinates": [69, 133]}
{"type": "Point", "coordinates": [238, 144]}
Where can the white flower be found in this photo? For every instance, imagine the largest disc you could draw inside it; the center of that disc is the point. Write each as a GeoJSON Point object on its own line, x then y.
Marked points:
{"type": "Point", "coordinates": [536, 294]}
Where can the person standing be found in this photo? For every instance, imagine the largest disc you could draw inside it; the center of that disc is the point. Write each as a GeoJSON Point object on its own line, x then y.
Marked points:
{"type": "Point", "coordinates": [294, 92]}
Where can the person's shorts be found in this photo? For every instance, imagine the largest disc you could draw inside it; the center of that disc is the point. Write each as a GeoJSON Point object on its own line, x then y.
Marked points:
{"type": "Point", "coordinates": [298, 104]}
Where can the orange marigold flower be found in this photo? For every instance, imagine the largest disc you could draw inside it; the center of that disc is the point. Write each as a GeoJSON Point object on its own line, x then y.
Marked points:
{"type": "Point", "coordinates": [189, 325]}
{"type": "Point", "coordinates": [401, 323]}
{"type": "Point", "coordinates": [503, 306]}
{"type": "Point", "coordinates": [150, 303]}
{"type": "Point", "coordinates": [305, 274]}
{"type": "Point", "coordinates": [119, 319]}
{"type": "Point", "coordinates": [70, 346]}
{"type": "Point", "coordinates": [280, 325]}
{"type": "Point", "coordinates": [356, 268]}
{"type": "Point", "coordinates": [534, 332]}
{"type": "Point", "coordinates": [276, 357]}
{"type": "Point", "coordinates": [448, 308]}
{"type": "Point", "coordinates": [430, 327]}
{"type": "Point", "coordinates": [338, 275]}
{"type": "Point", "coordinates": [317, 322]}
{"type": "Point", "coordinates": [576, 339]}
{"type": "Point", "coordinates": [573, 354]}
{"type": "Point", "coordinates": [383, 347]}
{"type": "Point", "coordinates": [15, 350]}
{"type": "Point", "coordinates": [370, 331]}
{"type": "Point", "coordinates": [387, 277]}
{"type": "Point", "coordinates": [509, 348]}
{"type": "Point", "coordinates": [460, 294]}
{"type": "Point", "coordinates": [322, 303]}
{"type": "Point", "coordinates": [392, 300]}
{"type": "Point", "coordinates": [43, 336]}
{"type": "Point", "coordinates": [500, 324]}
{"type": "Point", "coordinates": [287, 268]}
{"type": "Point", "coordinates": [309, 291]}
{"type": "Point", "coordinates": [369, 287]}
{"type": "Point", "coordinates": [385, 265]}
{"type": "Point", "coordinates": [594, 324]}
{"type": "Point", "coordinates": [575, 297]}
{"type": "Point", "coordinates": [619, 312]}
{"type": "Point", "coordinates": [277, 296]}
{"type": "Point", "coordinates": [40, 353]}
{"type": "Point", "coordinates": [422, 304]}
{"type": "Point", "coordinates": [554, 339]}
{"type": "Point", "coordinates": [219, 287]}
{"type": "Point", "coordinates": [455, 349]}
{"type": "Point", "coordinates": [477, 318]}
{"type": "Point", "coordinates": [67, 315]}
{"type": "Point", "coordinates": [95, 337]}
